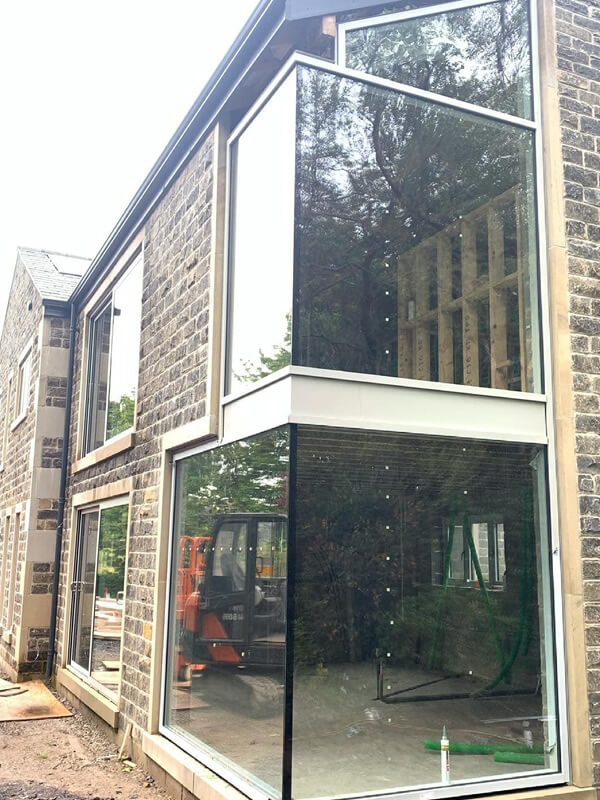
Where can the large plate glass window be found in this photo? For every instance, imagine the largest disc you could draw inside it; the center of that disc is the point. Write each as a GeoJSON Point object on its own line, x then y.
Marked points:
{"type": "Point", "coordinates": [423, 600]}
{"type": "Point", "coordinates": [113, 359]}
{"type": "Point", "coordinates": [415, 240]}
{"type": "Point", "coordinates": [97, 595]}
{"type": "Point", "coordinates": [479, 54]}
{"type": "Point", "coordinates": [227, 612]}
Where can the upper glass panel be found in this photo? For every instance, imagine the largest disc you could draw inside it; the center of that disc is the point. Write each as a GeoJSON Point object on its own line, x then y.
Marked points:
{"type": "Point", "coordinates": [415, 247]}
{"type": "Point", "coordinates": [227, 618]}
{"type": "Point", "coordinates": [480, 55]}
{"type": "Point", "coordinates": [114, 345]}
{"type": "Point", "coordinates": [125, 352]}
{"type": "Point", "coordinates": [262, 242]}
{"type": "Point", "coordinates": [423, 603]}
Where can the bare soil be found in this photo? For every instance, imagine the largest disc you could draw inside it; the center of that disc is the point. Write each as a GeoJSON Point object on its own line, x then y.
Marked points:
{"type": "Point", "coordinates": [67, 759]}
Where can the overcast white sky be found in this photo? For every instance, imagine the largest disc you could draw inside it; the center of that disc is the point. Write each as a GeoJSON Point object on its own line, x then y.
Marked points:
{"type": "Point", "coordinates": [90, 93]}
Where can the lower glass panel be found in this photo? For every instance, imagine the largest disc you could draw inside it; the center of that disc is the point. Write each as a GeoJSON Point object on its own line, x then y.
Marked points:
{"type": "Point", "coordinates": [228, 597]}
{"type": "Point", "coordinates": [83, 590]}
{"type": "Point", "coordinates": [422, 602]}
{"type": "Point", "coordinates": [110, 586]}
{"type": "Point", "coordinates": [97, 593]}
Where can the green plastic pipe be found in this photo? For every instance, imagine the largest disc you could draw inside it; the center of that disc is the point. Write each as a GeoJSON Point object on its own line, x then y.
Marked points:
{"type": "Point", "coordinates": [469, 748]}
{"type": "Point", "coordinates": [521, 758]}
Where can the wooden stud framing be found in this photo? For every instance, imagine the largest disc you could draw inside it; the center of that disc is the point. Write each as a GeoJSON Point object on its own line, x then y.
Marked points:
{"type": "Point", "coordinates": [488, 283]}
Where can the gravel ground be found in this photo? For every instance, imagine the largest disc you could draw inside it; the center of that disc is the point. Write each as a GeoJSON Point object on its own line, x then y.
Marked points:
{"type": "Point", "coordinates": [67, 759]}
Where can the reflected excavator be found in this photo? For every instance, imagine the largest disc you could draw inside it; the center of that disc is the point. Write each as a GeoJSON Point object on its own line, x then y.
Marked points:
{"type": "Point", "coordinates": [234, 620]}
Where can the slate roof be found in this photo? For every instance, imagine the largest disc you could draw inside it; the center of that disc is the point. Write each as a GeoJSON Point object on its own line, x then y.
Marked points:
{"type": "Point", "coordinates": [55, 275]}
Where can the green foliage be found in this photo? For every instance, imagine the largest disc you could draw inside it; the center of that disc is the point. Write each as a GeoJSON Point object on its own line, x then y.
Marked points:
{"type": "Point", "coordinates": [267, 364]}
{"type": "Point", "coordinates": [248, 476]}
{"type": "Point", "coordinates": [112, 546]}
{"type": "Point", "coordinates": [120, 415]}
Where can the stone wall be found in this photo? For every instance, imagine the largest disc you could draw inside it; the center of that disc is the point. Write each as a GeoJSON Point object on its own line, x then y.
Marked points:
{"type": "Point", "coordinates": [21, 326]}
{"type": "Point", "coordinates": [578, 58]}
{"type": "Point", "coordinates": [171, 392]}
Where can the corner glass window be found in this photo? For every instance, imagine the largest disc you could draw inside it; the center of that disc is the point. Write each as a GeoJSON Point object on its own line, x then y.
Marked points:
{"type": "Point", "coordinates": [423, 601]}
{"type": "Point", "coordinates": [262, 243]}
{"type": "Point", "coordinates": [224, 688]}
{"type": "Point", "coordinates": [415, 242]}
{"type": "Point", "coordinates": [113, 360]}
{"type": "Point", "coordinates": [97, 596]}
{"type": "Point", "coordinates": [479, 55]}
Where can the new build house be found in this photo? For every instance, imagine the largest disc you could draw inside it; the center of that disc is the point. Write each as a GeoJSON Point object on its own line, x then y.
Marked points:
{"type": "Point", "coordinates": [321, 477]}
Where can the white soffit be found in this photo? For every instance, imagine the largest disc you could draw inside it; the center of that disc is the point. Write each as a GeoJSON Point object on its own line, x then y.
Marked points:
{"type": "Point", "coordinates": [358, 403]}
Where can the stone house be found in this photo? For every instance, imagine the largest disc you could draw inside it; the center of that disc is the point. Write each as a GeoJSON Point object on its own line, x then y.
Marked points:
{"type": "Point", "coordinates": [332, 473]}
{"type": "Point", "coordinates": [34, 351]}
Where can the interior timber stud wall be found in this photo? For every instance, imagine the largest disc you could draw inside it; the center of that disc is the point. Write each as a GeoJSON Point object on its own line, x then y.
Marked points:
{"type": "Point", "coordinates": [461, 316]}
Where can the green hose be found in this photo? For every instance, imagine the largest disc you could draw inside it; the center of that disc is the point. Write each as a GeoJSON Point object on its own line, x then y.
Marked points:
{"type": "Point", "coordinates": [484, 592]}
{"type": "Point", "coordinates": [521, 758]}
{"type": "Point", "coordinates": [469, 748]}
{"type": "Point", "coordinates": [523, 633]}
{"type": "Point", "coordinates": [445, 579]}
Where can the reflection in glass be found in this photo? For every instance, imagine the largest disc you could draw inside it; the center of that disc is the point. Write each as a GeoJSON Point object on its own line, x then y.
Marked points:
{"type": "Point", "coordinates": [262, 242]}
{"type": "Point", "coordinates": [110, 587]}
{"type": "Point", "coordinates": [479, 55]}
{"type": "Point", "coordinates": [125, 351]}
{"type": "Point", "coordinates": [226, 652]}
{"type": "Point", "coordinates": [422, 600]}
{"type": "Point", "coordinates": [97, 595]}
{"type": "Point", "coordinates": [98, 379]}
{"type": "Point", "coordinates": [83, 590]}
{"type": "Point", "coordinates": [410, 215]}
{"type": "Point", "coordinates": [114, 345]}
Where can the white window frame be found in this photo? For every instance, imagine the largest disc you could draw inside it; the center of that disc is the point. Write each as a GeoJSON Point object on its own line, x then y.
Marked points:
{"type": "Point", "coordinates": [91, 318]}
{"type": "Point", "coordinates": [77, 669]}
{"type": "Point", "coordinates": [22, 384]}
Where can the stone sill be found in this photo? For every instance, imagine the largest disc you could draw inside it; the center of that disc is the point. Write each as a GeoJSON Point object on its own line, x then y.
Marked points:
{"type": "Point", "coordinates": [124, 441]}
{"type": "Point", "coordinates": [184, 769]}
{"type": "Point", "coordinates": [99, 704]}
{"type": "Point", "coordinates": [7, 637]}
{"type": "Point", "coordinates": [18, 421]}
{"type": "Point", "coordinates": [202, 783]}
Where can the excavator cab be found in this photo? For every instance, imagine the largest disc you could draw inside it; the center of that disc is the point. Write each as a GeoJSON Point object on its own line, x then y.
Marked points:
{"type": "Point", "coordinates": [237, 614]}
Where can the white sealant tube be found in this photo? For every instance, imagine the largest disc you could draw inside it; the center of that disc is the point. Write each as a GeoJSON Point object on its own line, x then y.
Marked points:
{"type": "Point", "coordinates": [445, 755]}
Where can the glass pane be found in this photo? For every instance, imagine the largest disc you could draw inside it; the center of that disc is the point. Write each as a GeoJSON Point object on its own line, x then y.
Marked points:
{"type": "Point", "coordinates": [262, 242]}
{"type": "Point", "coordinates": [125, 351]}
{"type": "Point", "coordinates": [415, 239]}
{"type": "Point", "coordinates": [226, 641]}
{"type": "Point", "coordinates": [479, 55]}
{"type": "Point", "coordinates": [423, 600]}
{"type": "Point", "coordinates": [83, 590]}
{"type": "Point", "coordinates": [99, 345]}
{"type": "Point", "coordinates": [109, 597]}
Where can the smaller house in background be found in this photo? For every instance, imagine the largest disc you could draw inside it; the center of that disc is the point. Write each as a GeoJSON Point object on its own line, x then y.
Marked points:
{"type": "Point", "coordinates": [34, 349]}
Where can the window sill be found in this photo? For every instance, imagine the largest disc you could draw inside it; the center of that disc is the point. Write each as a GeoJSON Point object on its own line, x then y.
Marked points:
{"type": "Point", "coordinates": [191, 774]}
{"type": "Point", "coordinates": [200, 781]}
{"type": "Point", "coordinates": [99, 704]}
{"type": "Point", "coordinates": [120, 443]}
{"type": "Point", "coordinates": [18, 421]}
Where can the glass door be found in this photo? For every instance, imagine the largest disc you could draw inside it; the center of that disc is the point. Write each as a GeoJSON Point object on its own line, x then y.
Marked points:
{"type": "Point", "coordinates": [83, 589]}
{"type": "Point", "coordinates": [98, 590]}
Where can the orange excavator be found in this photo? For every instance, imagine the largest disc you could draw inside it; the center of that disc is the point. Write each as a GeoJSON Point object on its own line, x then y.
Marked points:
{"type": "Point", "coordinates": [235, 619]}
{"type": "Point", "coordinates": [191, 565]}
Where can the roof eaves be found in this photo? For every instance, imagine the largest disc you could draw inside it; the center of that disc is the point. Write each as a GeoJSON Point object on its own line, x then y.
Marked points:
{"type": "Point", "coordinates": [260, 27]}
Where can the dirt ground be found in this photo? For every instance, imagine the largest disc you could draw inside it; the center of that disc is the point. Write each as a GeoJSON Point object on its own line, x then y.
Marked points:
{"type": "Point", "coordinates": [67, 759]}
